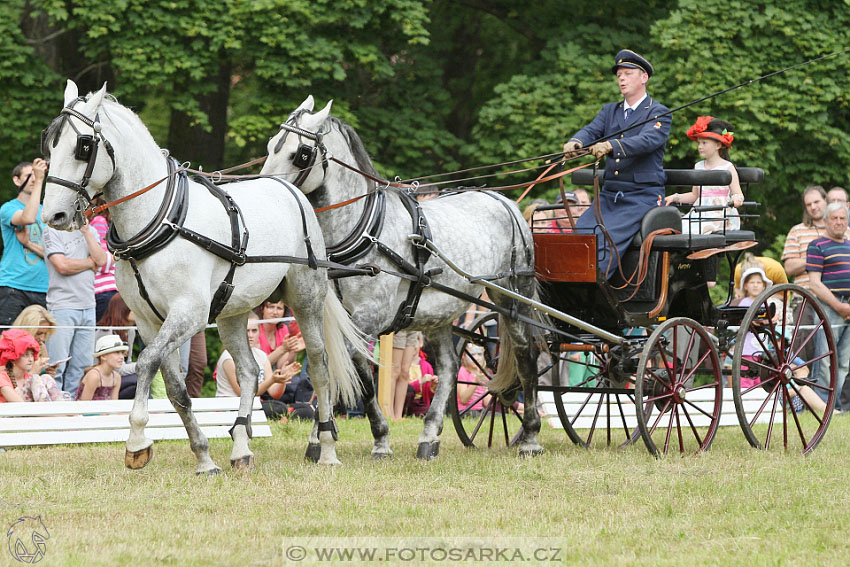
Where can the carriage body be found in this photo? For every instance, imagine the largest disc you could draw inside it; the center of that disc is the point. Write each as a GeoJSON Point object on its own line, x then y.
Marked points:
{"type": "Point", "coordinates": [650, 356]}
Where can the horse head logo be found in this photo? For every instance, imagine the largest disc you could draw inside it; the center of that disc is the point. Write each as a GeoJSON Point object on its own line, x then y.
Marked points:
{"type": "Point", "coordinates": [27, 539]}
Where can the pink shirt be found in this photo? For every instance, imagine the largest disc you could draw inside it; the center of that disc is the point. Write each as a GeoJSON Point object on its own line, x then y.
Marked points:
{"type": "Point", "coordinates": [467, 378]}
{"type": "Point", "coordinates": [280, 333]}
{"type": "Point", "coordinates": [104, 278]}
{"type": "Point", "coordinates": [4, 381]}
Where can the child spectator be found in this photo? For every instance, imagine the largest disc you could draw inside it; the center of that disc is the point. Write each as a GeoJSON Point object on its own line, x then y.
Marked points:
{"type": "Point", "coordinates": [471, 389]}
{"type": "Point", "coordinates": [38, 322]}
{"type": "Point", "coordinates": [102, 382]}
{"type": "Point", "coordinates": [119, 315]}
{"type": "Point", "coordinates": [714, 138]}
{"type": "Point", "coordinates": [422, 384]}
{"type": "Point", "coordinates": [18, 351]}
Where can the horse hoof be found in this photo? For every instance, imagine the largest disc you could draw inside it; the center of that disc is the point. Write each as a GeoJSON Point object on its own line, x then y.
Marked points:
{"type": "Point", "coordinates": [245, 463]}
{"type": "Point", "coordinates": [314, 451]}
{"type": "Point", "coordinates": [211, 472]}
{"type": "Point", "coordinates": [428, 451]}
{"type": "Point", "coordinates": [381, 456]}
{"type": "Point", "coordinates": [526, 453]}
{"type": "Point", "coordinates": [138, 459]}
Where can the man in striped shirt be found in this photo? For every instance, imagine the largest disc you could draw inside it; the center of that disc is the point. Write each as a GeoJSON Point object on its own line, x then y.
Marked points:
{"type": "Point", "coordinates": [828, 265]}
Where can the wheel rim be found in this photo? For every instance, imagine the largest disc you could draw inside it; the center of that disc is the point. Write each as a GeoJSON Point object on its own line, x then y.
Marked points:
{"type": "Point", "coordinates": [594, 409]}
{"type": "Point", "coordinates": [679, 388]}
{"type": "Point", "coordinates": [783, 372]}
{"type": "Point", "coordinates": [498, 422]}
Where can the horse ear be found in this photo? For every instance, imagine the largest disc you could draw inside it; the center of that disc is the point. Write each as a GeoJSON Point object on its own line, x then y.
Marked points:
{"type": "Point", "coordinates": [322, 115]}
{"type": "Point", "coordinates": [96, 99]}
{"type": "Point", "coordinates": [307, 104]}
{"type": "Point", "coordinates": [71, 92]}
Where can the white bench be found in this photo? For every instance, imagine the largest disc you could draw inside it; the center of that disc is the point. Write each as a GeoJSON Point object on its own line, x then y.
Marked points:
{"type": "Point", "coordinates": [52, 423]}
{"type": "Point", "coordinates": [701, 398]}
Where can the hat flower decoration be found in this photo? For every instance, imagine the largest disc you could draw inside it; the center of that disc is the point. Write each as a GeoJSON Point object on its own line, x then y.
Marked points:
{"type": "Point", "coordinates": [702, 129]}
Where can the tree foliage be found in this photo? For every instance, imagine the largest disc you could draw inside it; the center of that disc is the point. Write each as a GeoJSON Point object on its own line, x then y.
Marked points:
{"type": "Point", "coordinates": [434, 86]}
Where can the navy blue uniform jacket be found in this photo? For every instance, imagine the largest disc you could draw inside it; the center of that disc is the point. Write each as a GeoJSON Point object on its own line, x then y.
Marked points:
{"type": "Point", "coordinates": [634, 173]}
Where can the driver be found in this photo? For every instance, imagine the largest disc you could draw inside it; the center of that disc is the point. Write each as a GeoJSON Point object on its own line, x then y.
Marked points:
{"type": "Point", "coordinates": [634, 175]}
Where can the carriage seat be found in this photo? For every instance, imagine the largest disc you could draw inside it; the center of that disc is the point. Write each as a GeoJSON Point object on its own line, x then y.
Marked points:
{"type": "Point", "coordinates": [669, 217]}
{"type": "Point", "coordinates": [733, 236]}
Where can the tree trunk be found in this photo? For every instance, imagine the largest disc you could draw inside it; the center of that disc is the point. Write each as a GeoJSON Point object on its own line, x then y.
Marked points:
{"type": "Point", "coordinates": [190, 141]}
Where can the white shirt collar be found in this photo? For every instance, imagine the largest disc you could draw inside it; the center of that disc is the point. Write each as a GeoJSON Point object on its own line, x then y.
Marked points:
{"type": "Point", "coordinates": [635, 105]}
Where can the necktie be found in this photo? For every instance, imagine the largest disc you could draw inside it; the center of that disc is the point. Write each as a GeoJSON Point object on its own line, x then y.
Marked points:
{"type": "Point", "coordinates": [628, 113]}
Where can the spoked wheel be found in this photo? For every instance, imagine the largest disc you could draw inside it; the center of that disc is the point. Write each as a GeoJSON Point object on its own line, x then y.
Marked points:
{"type": "Point", "coordinates": [485, 418]}
{"type": "Point", "coordinates": [775, 355]}
{"type": "Point", "coordinates": [679, 389]}
{"type": "Point", "coordinates": [595, 396]}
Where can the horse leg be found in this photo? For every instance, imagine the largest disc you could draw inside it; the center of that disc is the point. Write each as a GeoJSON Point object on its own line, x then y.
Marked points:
{"type": "Point", "coordinates": [446, 368]}
{"type": "Point", "coordinates": [179, 398]}
{"type": "Point", "coordinates": [233, 337]}
{"type": "Point", "coordinates": [377, 421]}
{"type": "Point", "coordinates": [521, 337]}
{"type": "Point", "coordinates": [159, 340]}
{"type": "Point", "coordinates": [310, 310]}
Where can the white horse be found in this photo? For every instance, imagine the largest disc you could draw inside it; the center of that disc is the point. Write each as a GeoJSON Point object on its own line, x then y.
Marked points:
{"type": "Point", "coordinates": [96, 144]}
{"type": "Point", "coordinates": [481, 232]}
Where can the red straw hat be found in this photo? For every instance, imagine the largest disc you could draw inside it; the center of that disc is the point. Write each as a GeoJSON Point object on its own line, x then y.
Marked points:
{"type": "Point", "coordinates": [14, 343]}
{"type": "Point", "coordinates": [714, 128]}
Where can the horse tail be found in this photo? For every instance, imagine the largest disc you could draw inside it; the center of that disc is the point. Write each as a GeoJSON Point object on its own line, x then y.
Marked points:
{"type": "Point", "coordinates": [339, 329]}
{"type": "Point", "coordinates": [507, 371]}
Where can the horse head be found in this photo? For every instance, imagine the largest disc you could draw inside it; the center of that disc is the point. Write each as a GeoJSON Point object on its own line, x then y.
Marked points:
{"type": "Point", "coordinates": [79, 168]}
{"type": "Point", "coordinates": [298, 150]}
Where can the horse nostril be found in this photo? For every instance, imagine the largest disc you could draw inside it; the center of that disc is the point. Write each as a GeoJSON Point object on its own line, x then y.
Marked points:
{"type": "Point", "coordinates": [58, 219]}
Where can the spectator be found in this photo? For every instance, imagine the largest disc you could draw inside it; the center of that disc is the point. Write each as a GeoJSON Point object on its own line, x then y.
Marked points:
{"type": "Point", "coordinates": [277, 340]}
{"type": "Point", "coordinates": [828, 262]}
{"type": "Point", "coordinates": [18, 351]}
{"type": "Point", "coordinates": [119, 315]}
{"type": "Point", "coordinates": [541, 222]}
{"type": "Point", "coordinates": [579, 201]}
{"type": "Point", "coordinates": [422, 385]}
{"type": "Point", "coordinates": [269, 382]}
{"type": "Point", "coordinates": [837, 195]}
{"type": "Point", "coordinates": [38, 322]}
{"type": "Point", "coordinates": [72, 259]}
{"type": "Point", "coordinates": [23, 275]}
{"type": "Point", "coordinates": [104, 278]}
{"type": "Point", "coordinates": [103, 382]}
{"type": "Point", "coordinates": [794, 256]}
{"type": "Point", "coordinates": [772, 268]}
{"type": "Point", "coordinates": [197, 364]}
{"type": "Point", "coordinates": [471, 379]}
{"type": "Point", "coordinates": [405, 349]}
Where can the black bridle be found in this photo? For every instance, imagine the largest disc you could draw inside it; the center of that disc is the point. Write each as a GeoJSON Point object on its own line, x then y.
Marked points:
{"type": "Point", "coordinates": [85, 150]}
{"type": "Point", "coordinates": [305, 155]}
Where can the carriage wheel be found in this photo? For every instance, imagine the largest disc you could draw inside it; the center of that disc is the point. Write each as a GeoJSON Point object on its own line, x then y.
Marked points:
{"type": "Point", "coordinates": [679, 389]}
{"type": "Point", "coordinates": [499, 421]}
{"type": "Point", "coordinates": [599, 407]}
{"type": "Point", "coordinates": [797, 404]}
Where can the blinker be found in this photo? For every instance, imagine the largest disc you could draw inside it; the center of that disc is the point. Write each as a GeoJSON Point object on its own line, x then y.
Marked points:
{"type": "Point", "coordinates": [304, 156]}
{"type": "Point", "coordinates": [85, 143]}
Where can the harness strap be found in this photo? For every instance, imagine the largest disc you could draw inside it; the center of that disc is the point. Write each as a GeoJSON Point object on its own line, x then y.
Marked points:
{"type": "Point", "coordinates": [329, 425]}
{"type": "Point", "coordinates": [143, 292]}
{"type": "Point", "coordinates": [311, 257]}
{"type": "Point", "coordinates": [242, 420]}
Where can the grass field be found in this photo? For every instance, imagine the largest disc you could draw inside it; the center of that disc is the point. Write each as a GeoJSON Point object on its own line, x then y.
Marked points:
{"type": "Point", "coordinates": [731, 506]}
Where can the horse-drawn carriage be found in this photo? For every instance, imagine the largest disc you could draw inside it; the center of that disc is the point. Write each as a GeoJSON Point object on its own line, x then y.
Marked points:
{"type": "Point", "coordinates": [178, 271]}
{"type": "Point", "coordinates": [648, 353]}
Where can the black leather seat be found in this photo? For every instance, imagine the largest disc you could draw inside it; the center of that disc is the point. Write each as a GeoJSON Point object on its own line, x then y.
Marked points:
{"type": "Point", "coordinates": [739, 236]}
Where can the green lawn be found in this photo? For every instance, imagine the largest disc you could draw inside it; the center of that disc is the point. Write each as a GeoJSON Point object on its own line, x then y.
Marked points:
{"type": "Point", "coordinates": [731, 506]}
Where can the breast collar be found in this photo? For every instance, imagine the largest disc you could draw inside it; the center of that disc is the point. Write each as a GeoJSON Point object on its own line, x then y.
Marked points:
{"type": "Point", "coordinates": [160, 230]}
{"type": "Point", "coordinates": [365, 233]}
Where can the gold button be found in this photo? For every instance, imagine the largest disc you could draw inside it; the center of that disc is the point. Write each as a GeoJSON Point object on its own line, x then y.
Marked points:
{"type": "Point", "coordinates": [616, 173]}
{"type": "Point", "coordinates": [618, 160]}
{"type": "Point", "coordinates": [621, 135]}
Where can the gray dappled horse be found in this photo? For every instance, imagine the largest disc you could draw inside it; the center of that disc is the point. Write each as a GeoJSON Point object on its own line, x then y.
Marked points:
{"type": "Point", "coordinates": [96, 145]}
{"type": "Point", "coordinates": [481, 232]}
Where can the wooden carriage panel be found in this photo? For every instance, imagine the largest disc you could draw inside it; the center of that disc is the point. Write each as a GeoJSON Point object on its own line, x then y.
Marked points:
{"type": "Point", "coordinates": [565, 257]}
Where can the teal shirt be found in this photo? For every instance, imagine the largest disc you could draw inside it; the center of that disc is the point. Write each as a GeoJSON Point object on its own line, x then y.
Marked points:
{"type": "Point", "coordinates": [21, 268]}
